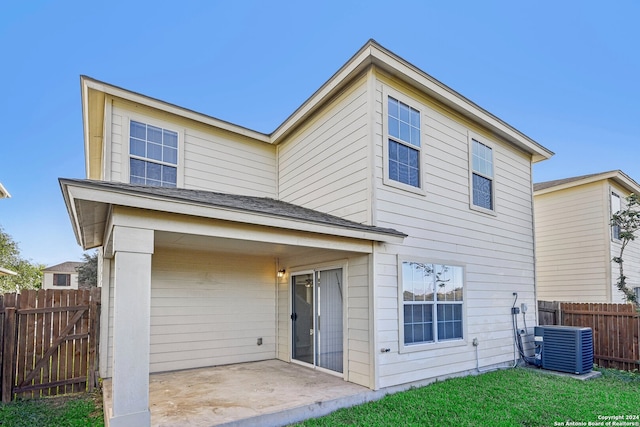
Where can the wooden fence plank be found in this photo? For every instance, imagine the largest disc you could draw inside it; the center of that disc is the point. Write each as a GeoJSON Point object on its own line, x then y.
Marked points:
{"type": "Point", "coordinates": [55, 332]}
{"type": "Point", "coordinates": [46, 339]}
{"type": "Point", "coordinates": [615, 331]}
{"type": "Point", "coordinates": [8, 352]}
{"type": "Point", "coordinates": [94, 330]}
{"type": "Point", "coordinates": [48, 342]}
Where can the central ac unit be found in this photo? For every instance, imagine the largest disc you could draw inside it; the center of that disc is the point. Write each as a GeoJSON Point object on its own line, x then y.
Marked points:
{"type": "Point", "coordinates": [565, 348]}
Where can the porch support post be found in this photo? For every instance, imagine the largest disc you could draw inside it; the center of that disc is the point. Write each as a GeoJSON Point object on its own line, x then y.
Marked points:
{"type": "Point", "coordinates": [133, 249]}
{"type": "Point", "coordinates": [104, 282]}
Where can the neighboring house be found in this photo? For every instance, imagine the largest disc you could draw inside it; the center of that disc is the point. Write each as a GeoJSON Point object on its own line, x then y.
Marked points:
{"type": "Point", "coordinates": [61, 276]}
{"type": "Point", "coordinates": [3, 192]}
{"type": "Point", "coordinates": [3, 195]}
{"type": "Point", "coordinates": [407, 207]}
{"type": "Point", "coordinates": [575, 242]}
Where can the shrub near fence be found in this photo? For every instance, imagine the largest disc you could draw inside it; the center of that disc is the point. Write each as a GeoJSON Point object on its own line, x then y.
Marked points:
{"type": "Point", "coordinates": [49, 342]}
{"type": "Point", "coordinates": [616, 329]}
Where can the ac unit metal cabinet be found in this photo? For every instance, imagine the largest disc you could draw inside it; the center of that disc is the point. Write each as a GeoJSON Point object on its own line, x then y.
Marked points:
{"type": "Point", "coordinates": [565, 348]}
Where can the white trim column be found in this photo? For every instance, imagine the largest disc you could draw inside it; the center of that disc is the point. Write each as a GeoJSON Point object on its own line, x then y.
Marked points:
{"type": "Point", "coordinates": [104, 283]}
{"type": "Point", "coordinates": [133, 249]}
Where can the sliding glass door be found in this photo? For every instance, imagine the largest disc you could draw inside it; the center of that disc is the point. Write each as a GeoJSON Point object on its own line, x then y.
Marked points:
{"type": "Point", "coordinates": [317, 318]}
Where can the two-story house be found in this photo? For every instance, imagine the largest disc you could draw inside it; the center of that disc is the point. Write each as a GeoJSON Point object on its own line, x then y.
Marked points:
{"type": "Point", "coordinates": [576, 242]}
{"type": "Point", "coordinates": [378, 233]}
{"type": "Point", "coordinates": [3, 195]}
{"type": "Point", "coordinates": [61, 276]}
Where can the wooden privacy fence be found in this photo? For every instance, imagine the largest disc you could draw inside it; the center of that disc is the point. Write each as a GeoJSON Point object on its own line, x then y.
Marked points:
{"type": "Point", "coordinates": [48, 342]}
{"type": "Point", "coordinates": [616, 329]}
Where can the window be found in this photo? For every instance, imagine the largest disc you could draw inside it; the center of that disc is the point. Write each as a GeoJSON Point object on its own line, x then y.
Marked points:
{"type": "Point", "coordinates": [482, 174]}
{"type": "Point", "coordinates": [615, 208]}
{"type": "Point", "coordinates": [61, 280]}
{"type": "Point", "coordinates": [636, 291]}
{"type": "Point", "coordinates": [403, 127]}
{"type": "Point", "coordinates": [154, 155]}
{"type": "Point", "coordinates": [432, 302]}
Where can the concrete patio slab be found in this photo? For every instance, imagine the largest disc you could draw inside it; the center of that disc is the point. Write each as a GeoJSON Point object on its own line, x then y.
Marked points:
{"type": "Point", "coordinates": [266, 393]}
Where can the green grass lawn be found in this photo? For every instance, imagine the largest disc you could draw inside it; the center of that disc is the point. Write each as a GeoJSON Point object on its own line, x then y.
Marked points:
{"type": "Point", "coordinates": [64, 411]}
{"type": "Point", "coordinates": [514, 397]}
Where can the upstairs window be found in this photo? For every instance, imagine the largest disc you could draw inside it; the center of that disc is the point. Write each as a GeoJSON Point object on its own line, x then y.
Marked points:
{"type": "Point", "coordinates": [61, 280]}
{"type": "Point", "coordinates": [615, 208]}
{"type": "Point", "coordinates": [153, 155]}
{"type": "Point", "coordinates": [482, 175]}
{"type": "Point", "coordinates": [403, 124]}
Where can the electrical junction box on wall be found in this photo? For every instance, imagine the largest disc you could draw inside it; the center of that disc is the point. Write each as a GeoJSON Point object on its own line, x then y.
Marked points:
{"type": "Point", "coordinates": [565, 348]}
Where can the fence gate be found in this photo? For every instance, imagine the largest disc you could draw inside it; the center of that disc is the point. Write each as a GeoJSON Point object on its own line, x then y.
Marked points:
{"type": "Point", "coordinates": [49, 342]}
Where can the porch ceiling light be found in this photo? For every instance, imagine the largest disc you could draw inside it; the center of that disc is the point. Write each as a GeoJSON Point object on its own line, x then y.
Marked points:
{"type": "Point", "coordinates": [281, 273]}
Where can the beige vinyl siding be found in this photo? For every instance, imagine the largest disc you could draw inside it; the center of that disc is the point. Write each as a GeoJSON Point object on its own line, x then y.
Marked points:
{"type": "Point", "coordinates": [631, 256]}
{"type": "Point", "coordinates": [214, 162]}
{"type": "Point", "coordinates": [110, 306]}
{"type": "Point", "coordinates": [209, 158]}
{"type": "Point", "coordinates": [358, 330]}
{"type": "Point", "coordinates": [324, 166]}
{"type": "Point", "coordinates": [572, 237]}
{"type": "Point", "coordinates": [118, 149]}
{"type": "Point", "coordinates": [209, 309]}
{"type": "Point", "coordinates": [496, 251]}
{"type": "Point", "coordinates": [357, 367]}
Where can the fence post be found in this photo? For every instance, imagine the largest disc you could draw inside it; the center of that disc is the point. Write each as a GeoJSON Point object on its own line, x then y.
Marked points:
{"type": "Point", "coordinates": [558, 314]}
{"type": "Point", "coordinates": [94, 337]}
{"type": "Point", "coordinates": [9, 353]}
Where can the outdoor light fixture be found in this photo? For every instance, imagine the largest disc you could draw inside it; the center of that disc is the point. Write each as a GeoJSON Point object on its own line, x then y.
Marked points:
{"type": "Point", "coordinates": [281, 273]}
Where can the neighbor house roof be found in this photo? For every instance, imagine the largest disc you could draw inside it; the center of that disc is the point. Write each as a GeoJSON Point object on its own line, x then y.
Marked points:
{"type": "Point", "coordinates": [260, 210]}
{"type": "Point", "coordinates": [65, 267]}
{"type": "Point", "coordinates": [617, 176]}
{"type": "Point", "coordinates": [6, 272]}
{"type": "Point", "coordinates": [3, 192]}
{"type": "Point", "coordinates": [370, 55]}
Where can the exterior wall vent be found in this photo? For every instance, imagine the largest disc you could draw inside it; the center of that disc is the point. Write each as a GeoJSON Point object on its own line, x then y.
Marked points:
{"type": "Point", "coordinates": [565, 348]}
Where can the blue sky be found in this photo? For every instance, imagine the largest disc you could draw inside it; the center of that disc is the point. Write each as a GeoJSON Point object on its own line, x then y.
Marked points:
{"type": "Point", "coordinates": [566, 73]}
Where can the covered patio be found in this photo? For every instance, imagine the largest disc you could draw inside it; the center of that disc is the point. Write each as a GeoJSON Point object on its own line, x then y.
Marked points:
{"type": "Point", "coordinates": [266, 393]}
{"type": "Point", "coordinates": [192, 279]}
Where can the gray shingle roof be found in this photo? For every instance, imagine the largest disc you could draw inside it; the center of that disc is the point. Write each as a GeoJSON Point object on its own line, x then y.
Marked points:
{"type": "Point", "coordinates": [548, 184]}
{"type": "Point", "coordinates": [261, 205]}
{"type": "Point", "coordinates": [65, 267]}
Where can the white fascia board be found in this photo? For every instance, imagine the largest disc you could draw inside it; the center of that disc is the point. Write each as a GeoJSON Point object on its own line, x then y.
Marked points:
{"type": "Point", "coordinates": [7, 272]}
{"type": "Point", "coordinates": [406, 71]}
{"type": "Point", "coordinates": [84, 98]}
{"type": "Point", "coordinates": [372, 53]}
{"type": "Point", "coordinates": [71, 210]}
{"type": "Point", "coordinates": [4, 194]}
{"type": "Point", "coordinates": [356, 64]}
{"type": "Point", "coordinates": [626, 181]}
{"type": "Point", "coordinates": [89, 83]}
{"type": "Point", "coordinates": [617, 176]}
{"type": "Point", "coordinates": [176, 223]}
{"type": "Point", "coordinates": [149, 202]}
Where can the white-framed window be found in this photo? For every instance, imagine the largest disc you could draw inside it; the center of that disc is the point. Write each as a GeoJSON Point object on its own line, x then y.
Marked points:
{"type": "Point", "coordinates": [481, 174]}
{"type": "Point", "coordinates": [61, 279]}
{"type": "Point", "coordinates": [616, 206]}
{"type": "Point", "coordinates": [637, 293]}
{"type": "Point", "coordinates": [153, 155]}
{"type": "Point", "coordinates": [432, 303]}
{"type": "Point", "coordinates": [403, 143]}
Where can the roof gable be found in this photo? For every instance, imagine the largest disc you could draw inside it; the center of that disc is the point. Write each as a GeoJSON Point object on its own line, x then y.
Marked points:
{"type": "Point", "coordinates": [231, 207]}
{"type": "Point", "coordinates": [616, 176]}
{"type": "Point", "coordinates": [370, 55]}
{"type": "Point", "coordinates": [65, 267]}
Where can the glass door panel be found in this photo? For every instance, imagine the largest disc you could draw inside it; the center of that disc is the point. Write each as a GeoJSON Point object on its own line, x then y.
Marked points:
{"type": "Point", "coordinates": [329, 320]}
{"type": "Point", "coordinates": [317, 318]}
{"type": "Point", "coordinates": [302, 318]}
